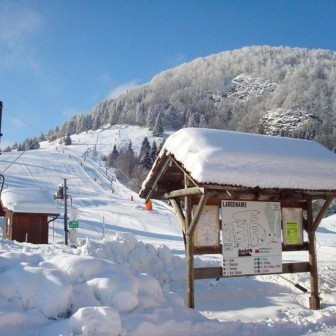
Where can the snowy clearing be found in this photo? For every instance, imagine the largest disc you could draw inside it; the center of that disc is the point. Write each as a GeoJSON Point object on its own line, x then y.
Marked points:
{"type": "Point", "coordinates": [127, 276]}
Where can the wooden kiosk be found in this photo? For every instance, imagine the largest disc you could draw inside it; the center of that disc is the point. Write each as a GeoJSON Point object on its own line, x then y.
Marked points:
{"type": "Point", "coordinates": [248, 197]}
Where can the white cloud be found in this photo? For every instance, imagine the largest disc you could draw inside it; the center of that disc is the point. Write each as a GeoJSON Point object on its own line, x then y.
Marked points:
{"type": "Point", "coordinates": [123, 88]}
{"type": "Point", "coordinates": [18, 25]}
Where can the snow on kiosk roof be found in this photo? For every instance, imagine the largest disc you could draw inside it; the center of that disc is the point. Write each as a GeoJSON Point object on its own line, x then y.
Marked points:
{"type": "Point", "coordinates": [227, 158]}
{"type": "Point", "coordinates": [29, 200]}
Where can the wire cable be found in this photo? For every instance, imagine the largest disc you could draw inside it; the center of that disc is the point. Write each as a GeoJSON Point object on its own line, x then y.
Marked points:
{"type": "Point", "coordinates": [26, 149]}
{"type": "Point", "coordinates": [22, 120]}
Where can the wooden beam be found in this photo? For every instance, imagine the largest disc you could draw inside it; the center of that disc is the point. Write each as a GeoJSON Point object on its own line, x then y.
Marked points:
{"type": "Point", "coordinates": [208, 249]}
{"type": "Point", "coordinates": [187, 175]}
{"type": "Point", "coordinates": [189, 255]}
{"type": "Point", "coordinates": [217, 272]}
{"type": "Point", "coordinates": [291, 248]}
{"type": "Point", "coordinates": [321, 213]}
{"type": "Point", "coordinates": [298, 267]}
{"type": "Point", "coordinates": [314, 300]}
{"type": "Point", "coordinates": [157, 177]}
{"type": "Point", "coordinates": [218, 249]}
{"type": "Point", "coordinates": [183, 192]}
{"type": "Point", "coordinates": [179, 213]}
{"type": "Point", "coordinates": [197, 213]}
{"type": "Point", "coordinates": [208, 273]}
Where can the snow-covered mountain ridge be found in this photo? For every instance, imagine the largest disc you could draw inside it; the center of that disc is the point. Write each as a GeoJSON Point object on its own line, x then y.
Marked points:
{"type": "Point", "coordinates": [234, 90]}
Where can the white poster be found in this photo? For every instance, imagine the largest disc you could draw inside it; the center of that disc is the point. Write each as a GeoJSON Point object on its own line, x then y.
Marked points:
{"type": "Point", "coordinates": [251, 233]}
{"type": "Point", "coordinates": [207, 229]}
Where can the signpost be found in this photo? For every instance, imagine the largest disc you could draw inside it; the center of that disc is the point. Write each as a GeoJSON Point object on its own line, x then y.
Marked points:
{"type": "Point", "coordinates": [65, 212]}
{"type": "Point", "coordinates": [73, 224]}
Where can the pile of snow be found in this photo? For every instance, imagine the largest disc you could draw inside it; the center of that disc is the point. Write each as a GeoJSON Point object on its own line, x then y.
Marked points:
{"type": "Point", "coordinates": [121, 286]}
{"type": "Point", "coordinates": [101, 288]}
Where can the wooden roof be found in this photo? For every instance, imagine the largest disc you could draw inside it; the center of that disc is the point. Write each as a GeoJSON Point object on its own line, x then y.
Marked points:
{"type": "Point", "coordinates": [170, 175]}
{"type": "Point", "coordinates": [29, 200]}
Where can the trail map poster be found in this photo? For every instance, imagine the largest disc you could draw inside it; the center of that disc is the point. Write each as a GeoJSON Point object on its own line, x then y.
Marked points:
{"type": "Point", "coordinates": [251, 237]}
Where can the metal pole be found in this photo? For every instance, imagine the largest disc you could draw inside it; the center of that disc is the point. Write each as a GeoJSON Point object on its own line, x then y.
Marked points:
{"type": "Point", "coordinates": [0, 118]}
{"type": "Point", "coordinates": [65, 213]}
{"type": "Point", "coordinates": [103, 227]}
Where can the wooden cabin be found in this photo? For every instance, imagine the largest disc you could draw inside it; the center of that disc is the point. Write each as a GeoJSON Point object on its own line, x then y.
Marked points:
{"type": "Point", "coordinates": [27, 213]}
{"type": "Point", "coordinates": [247, 198]}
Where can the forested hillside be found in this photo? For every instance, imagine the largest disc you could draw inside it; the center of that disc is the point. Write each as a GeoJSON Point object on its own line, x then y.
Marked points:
{"type": "Point", "coordinates": [270, 90]}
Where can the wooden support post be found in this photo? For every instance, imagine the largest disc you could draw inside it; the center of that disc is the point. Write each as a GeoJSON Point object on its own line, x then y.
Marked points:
{"type": "Point", "coordinates": [189, 256]}
{"type": "Point", "coordinates": [154, 183]}
{"type": "Point", "coordinates": [322, 212]}
{"type": "Point", "coordinates": [190, 272]}
{"type": "Point", "coordinates": [179, 213]}
{"type": "Point", "coordinates": [198, 213]}
{"type": "Point", "coordinates": [314, 300]}
{"type": "Point", "coordinates": [180, 216]}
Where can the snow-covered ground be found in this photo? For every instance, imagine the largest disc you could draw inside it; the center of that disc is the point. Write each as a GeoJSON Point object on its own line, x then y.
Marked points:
{"type": "Point", "coordinates": [127, 276]}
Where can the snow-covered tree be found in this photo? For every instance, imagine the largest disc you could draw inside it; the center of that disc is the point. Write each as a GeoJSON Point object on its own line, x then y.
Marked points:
{"type": "Point", "coordinates": [67, 140]}
{"type": "Point", "coordinates": [154, 151]}
{"type": "Point", "coordinates": [158, 128]}
{"type": "Point", "coordinates": [151, 117]}
{"type": "Point", "coordinates": [145, 147]}
{"type": "Point", "coordinates": [146, 160]}
{"type": "Point", "coordinates": [113, 156]}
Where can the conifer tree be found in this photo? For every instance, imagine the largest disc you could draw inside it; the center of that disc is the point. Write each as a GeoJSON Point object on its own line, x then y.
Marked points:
{"type": "Point", "coordinates": [96, 122]}
{"type": "Point", "coordinates": [154, 151]}
{"type": "Point", "coordinates": [146, 161]}
{"type": "Point", "coordinates": [158, 128]}
{"type": "Point", "coordinates": [127, 161]}
{"type": "Point", "coordinates": [113, 157]}
{"type": "Point", "coordinates": [145, 147]}
{"type": "Point", "coordinates": [151, 116]}
{"type": "Point", "coordinates": [67, 140]}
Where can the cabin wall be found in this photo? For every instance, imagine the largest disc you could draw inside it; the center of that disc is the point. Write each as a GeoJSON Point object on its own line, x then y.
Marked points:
{"type": "Point", "coordinates": [22, 227]}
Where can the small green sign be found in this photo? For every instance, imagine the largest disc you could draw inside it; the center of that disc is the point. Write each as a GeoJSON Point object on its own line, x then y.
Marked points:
{"type": "Point", "coordinates": [73, 224]}
{"type": "Point", "coordinates": [292, 230]}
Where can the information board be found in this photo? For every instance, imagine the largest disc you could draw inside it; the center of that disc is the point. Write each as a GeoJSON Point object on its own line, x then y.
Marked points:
{"type": "Point", "coordinates": [251, 237]}
{"type": "Point", "coordinates": [207, 230]}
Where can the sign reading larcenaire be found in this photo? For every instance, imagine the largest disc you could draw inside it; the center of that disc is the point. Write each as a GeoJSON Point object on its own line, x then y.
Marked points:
{"type": "Point", "coordinates": [251, 234]}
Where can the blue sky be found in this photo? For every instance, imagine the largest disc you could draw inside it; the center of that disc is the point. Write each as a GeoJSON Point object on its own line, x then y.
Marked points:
{"type": "Point", "coordinates": [60, 58]}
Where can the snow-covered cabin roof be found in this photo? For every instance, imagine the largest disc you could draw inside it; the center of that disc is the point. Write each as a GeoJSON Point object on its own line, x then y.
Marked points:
{"type": "Point", "coordinates": [248, 160]}
{"type": "Point", "coordinates": [29, 200]}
